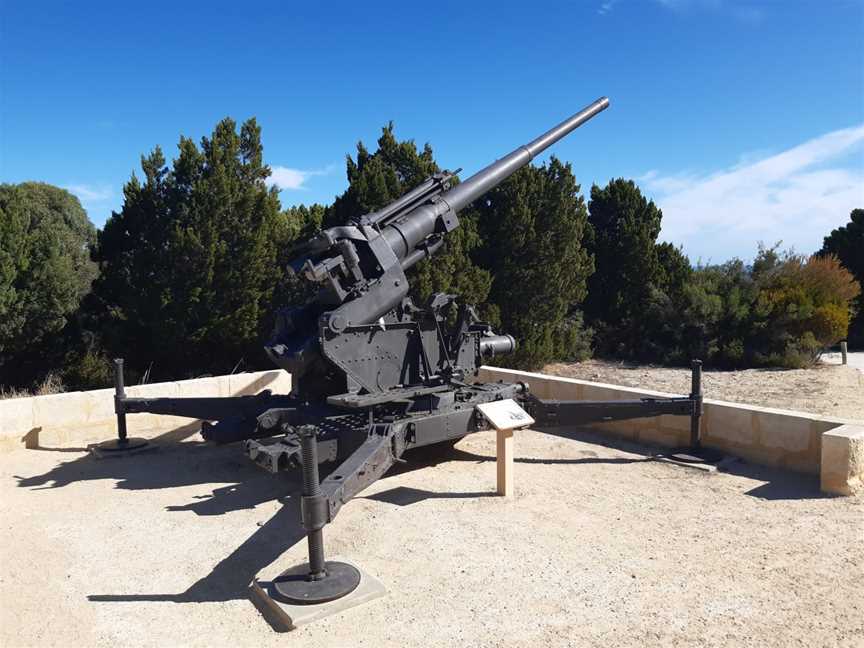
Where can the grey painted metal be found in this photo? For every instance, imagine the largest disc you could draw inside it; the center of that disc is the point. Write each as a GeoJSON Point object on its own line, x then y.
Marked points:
{"type": "Point", "coordinates": [696, 396]}
{"type": "Point", "coordinates": [119, 397]}
{"type": "Point", "coordinates": [494, 174]}
{"type": "Point", "coordinates": [122, 443]}
{"type": "Point", "coordinates": [412, 229]}
{"type": "Point", "coordinates": [497, 344]}
{"type": "Point", "coordinates": [311, 493]}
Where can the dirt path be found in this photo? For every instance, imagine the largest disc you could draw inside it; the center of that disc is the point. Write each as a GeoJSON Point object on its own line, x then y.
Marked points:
{"type": "Point", "coordinates": [830, 390]}
{"type": "Point", "coordinates": [854, 359]}
{"type": "Point", "coordinates": [599, 547]}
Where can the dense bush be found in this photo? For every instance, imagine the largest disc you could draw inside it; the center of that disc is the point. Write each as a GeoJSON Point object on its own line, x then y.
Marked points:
{"type": "Point", "coordinates": [805, 304]}
{"type": "Point", "coordinates": [783, 310]}
{"type": "Point", "coordinates": [45, 271]}
{"type": "Point", "coordinates": [647, 303]}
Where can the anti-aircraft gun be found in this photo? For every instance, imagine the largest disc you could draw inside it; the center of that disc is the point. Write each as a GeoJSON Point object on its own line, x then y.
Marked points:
{"type": "Point", "coordinates": [373, 373]}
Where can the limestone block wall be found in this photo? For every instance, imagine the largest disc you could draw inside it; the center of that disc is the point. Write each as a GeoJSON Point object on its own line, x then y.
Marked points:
{"type": "Point", "coordinates": [829, 447]}
{"type": "Point", "coordinates": [77, 418]}
{"type": "Point", "coordinates": [843, 460]}
{"type": "Point", "coordinates": [765, 436]}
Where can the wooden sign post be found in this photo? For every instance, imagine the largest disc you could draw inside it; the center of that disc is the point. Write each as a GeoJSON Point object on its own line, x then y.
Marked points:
{"type": "Point", "coordinates": [505, 416]}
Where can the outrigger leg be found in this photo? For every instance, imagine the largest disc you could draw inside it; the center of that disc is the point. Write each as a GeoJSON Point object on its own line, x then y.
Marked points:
{"type": "Point", "coordinates": [697, 453]}
{"type": "Point", "coordinates": [319, 580]}
{"type": "Point", "coordinates": [122, 443]}
{"type": "Point", "coordinates": [553, 413]}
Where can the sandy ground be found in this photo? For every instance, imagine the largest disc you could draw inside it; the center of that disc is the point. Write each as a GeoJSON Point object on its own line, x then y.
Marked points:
{"type": "Point", "coordinates": [828, 389]}
{"type": "Point", "coordinates": [600, 547]}
{"type": "Point", "coordinates": [853, 359]}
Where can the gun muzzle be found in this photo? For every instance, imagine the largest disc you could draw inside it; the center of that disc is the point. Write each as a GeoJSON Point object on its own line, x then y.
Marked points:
{"type": "Point", "coordinates": [411, 229]}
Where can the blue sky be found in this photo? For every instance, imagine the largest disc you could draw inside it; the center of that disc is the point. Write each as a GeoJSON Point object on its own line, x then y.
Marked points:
{"type": "Point", "coordinates": [743, 120]}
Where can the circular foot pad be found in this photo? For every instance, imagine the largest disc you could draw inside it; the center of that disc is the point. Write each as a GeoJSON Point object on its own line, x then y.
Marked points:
{"type": "Point", "coordinates": [293, 585]}
{"type": "Point", "coordinates": [115, 445]}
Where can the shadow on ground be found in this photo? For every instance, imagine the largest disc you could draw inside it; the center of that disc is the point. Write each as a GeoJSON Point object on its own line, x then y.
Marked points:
{"type": "Point", "coordinates": [173, 464]}
{"type": "Point", "coordinates": [168, 463]}
{"type": "Point", "coordinates": [777, 484]}
{"type": "Point", "coordinates": [230, 579]}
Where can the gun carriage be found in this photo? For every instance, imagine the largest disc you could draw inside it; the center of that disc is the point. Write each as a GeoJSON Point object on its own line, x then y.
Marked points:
{"type": "Point", "coordinates": [375, 375]}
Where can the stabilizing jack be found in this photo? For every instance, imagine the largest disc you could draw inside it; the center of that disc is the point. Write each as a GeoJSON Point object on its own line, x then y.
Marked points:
{"type": "Point", "coordinates": [122, 443]}
{"type": "Point", "coordinates": [320, 580]}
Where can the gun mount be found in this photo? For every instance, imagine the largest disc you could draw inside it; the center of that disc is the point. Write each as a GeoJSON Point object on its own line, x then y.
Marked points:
{"type": "Point", "coordinates": [375, 375]}
{"type": "Point", "coordinates": [327, 345]}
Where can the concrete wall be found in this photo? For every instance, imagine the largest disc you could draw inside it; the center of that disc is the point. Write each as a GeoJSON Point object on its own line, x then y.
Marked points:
{"type": "Point", "coordinates": [770, 437]}
{"type": "Point", "coordinates": [77, 418]}
{"type": "Point", "coordinates": [831, 448]}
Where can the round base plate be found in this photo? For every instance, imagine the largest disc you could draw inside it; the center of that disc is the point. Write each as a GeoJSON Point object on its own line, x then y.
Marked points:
{"type": "Point", "coordinates": [293, 585]}
{"type": "Point", "coordinates": [697, 455]}
{"type": "Point", "coordinates": [115, 445]}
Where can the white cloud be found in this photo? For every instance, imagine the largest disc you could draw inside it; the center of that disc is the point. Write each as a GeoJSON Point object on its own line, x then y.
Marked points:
{"type": "Point", "coordinates": [743, 12]}
{"type": "Point", "coordinates": [286, 178]}
{"type": "Point", "coordinates": [90, 193]}
{"type": "Point", "coordinates": [796, 196]}
{"type": "Point", "coordinates": [606, 7]}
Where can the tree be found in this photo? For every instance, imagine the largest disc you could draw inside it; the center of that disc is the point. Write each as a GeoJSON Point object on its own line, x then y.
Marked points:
{"type": "Point", "coordinates": [847, 244]}
{"type": "Point", "coordinates": [624, 229]}
{"type": "Point", "coordinates": [662, 324]}
{"type": "Point", "coordinates": [782, 310]}
{"type": "Point", "coordinates": [188, 267]}
{"type": "Point", "coordinates": [45, 271]}
{"type": "Point", "coordinates": [806, 304]}
{"type": "Point", "coordinates": [673, 269]}
{"type": "Point", "coordinates": [719, 316]}
{"type": "Point", "coordinates": [533, 227]}
{"type": "Point", "coordinates": [377, 179]}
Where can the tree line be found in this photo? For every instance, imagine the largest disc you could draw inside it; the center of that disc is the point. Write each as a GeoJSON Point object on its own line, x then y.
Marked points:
{"type": "Point", "coordinates": [184, 280]}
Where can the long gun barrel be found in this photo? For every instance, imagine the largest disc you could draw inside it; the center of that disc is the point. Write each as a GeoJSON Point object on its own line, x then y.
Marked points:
{"type": "Point", "coordinates": [413, 228]}
{"type": "Point", "coordinates": [360, 266]}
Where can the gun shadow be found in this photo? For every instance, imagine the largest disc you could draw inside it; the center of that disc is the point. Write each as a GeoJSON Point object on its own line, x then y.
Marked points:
{"type": "Point", "coordinates": [190, 463]}
{"type": "Point", "coordinates": [229, 580]}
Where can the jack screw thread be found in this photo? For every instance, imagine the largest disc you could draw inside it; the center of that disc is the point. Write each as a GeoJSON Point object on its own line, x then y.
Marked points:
{"type": "Point", "coordinates": [312, 487]}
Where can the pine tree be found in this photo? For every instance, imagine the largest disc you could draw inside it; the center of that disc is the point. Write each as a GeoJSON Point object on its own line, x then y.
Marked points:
{"type": "Point", "coordinates": [533, 227]}
{"type": "Point", "coordinates": [189, 265]}
{"type": "Point", "coordinates": [625, 226]}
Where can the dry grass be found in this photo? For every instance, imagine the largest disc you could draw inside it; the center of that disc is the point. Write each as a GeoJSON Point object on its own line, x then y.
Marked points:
{"type": "Point", "coordinates": [52, 384]}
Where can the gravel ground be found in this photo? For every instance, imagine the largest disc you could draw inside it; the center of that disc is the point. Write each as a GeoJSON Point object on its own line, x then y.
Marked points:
{"type": "Point", "coordinates": [828, 389]}
{"type": "Point", "coordinates": [853, 359]}
{"type": "Point", "coordinates": [599, 547]}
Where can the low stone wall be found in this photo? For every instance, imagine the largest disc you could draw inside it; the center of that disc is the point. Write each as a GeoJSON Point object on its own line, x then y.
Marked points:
{"type": "Point", "coordinates": [77, 418]}
{"type": "Point", "coordinates": [765, 436]}
{"type": "Point", "coordinates": [818, 445]}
